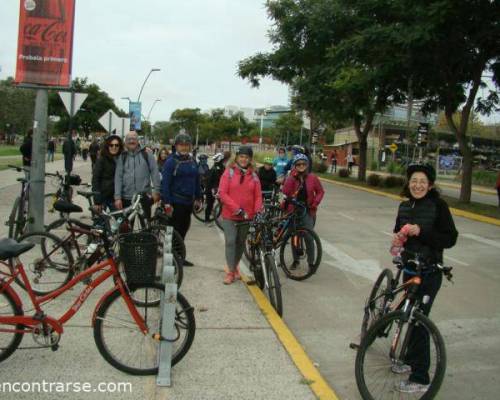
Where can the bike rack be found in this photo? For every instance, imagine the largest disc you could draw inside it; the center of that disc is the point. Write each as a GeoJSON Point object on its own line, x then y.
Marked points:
{"type": "Point", "coordinates": [168, 303]}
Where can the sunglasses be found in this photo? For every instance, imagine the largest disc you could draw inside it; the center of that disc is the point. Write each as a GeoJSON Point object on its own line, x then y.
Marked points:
{"type": "Point", "coordinates": [114, 145]}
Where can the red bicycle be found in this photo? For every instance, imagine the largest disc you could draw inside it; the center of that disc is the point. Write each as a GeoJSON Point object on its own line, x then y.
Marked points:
{"type": "Point", "coordinates": [127, 327]}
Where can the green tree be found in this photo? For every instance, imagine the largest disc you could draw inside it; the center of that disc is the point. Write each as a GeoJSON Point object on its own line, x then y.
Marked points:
{"type": "Point", "coordinates": [186, 118]}
{"type": "Point", "coordinates": [288, 127]}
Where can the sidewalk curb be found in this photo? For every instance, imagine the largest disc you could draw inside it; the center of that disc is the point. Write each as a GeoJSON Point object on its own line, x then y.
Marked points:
{"type": "Point", "coordinates": [475, 189]}
{"type": "Point", "coordinates": [318, 385]}
{"type": "Point", "coordinates": [454, 211]}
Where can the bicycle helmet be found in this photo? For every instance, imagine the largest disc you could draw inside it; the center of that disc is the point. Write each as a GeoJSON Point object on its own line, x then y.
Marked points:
{"type": "Point", "coordinates": [183, 138]}
{"type": "Point", "coordinates": [203, 157]}
{"type": "Point", "coordinates": [300, 157]}
{"type": "Point", "coordinates": [246, 150]}
{"type": "Point", "coordinates": [296, 149]}
{"type": "Point", "coordinates": [268, 160]}
{"type": "Point", "coordinates": [218, 157]}
{"type": "Point", "coordinates": [427, 169]}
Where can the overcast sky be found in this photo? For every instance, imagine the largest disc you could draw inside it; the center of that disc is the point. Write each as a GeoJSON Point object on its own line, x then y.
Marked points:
{"type": "Point", "coordinates": [196, 43]}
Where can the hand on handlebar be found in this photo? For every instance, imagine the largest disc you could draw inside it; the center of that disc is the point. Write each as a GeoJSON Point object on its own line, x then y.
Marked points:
{"type": "Point", "coordinates": [118, 204]}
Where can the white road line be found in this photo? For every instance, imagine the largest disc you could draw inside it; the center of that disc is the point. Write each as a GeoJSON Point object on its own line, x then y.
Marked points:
{"type": "Point", "coordinates": [481, 239]}
{"type": "Point", "coordinates": [456, 261]}
{"type": "Point", "coordinates": [347, 216]}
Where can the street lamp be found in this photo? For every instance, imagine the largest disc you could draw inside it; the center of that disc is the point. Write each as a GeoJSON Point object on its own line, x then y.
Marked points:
{"type": "Point", "coordinates": [126, 98]}
{"type": "Point", "coordinates": [151, 109]}
{"type": "Point", "coordinates": [145, 80]}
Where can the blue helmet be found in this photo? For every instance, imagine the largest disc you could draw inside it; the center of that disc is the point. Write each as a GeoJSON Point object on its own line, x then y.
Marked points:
{"type": "Point", "coordinates": [300, 157]}
{"type": "Point", "coordinates": [297, 149]}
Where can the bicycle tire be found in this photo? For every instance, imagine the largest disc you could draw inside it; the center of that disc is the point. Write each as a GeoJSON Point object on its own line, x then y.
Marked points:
{"type": "Point", "coordinates": [64, 266]}
{"type": "Point", "coordinates": [185, 311]}
{"type": "Point", "coordinates": [383, 281]}
{"type": "Point", "coordinates": [218, 219]}
{"type": "Point", "coordinates": [58, 223]}
{"type": "Point", "coordinates": [376, 334]}
{"type": "Point", "coordinates": [13, 220]}
{"type": "Point", "coordinates": [287, 242]}
{"type": "Point", "coordinates": [12, 344]}
{"type": "Point", "coordinates": [273, 288]}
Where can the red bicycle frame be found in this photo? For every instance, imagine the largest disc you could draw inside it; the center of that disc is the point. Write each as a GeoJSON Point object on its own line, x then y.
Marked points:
{"type": "Point", "coordinates": [38, 301]}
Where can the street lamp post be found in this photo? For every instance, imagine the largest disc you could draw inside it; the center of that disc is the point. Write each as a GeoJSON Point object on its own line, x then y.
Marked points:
{"type": "Point", "coordinates": [145, 80]}
{"type": "Point", "coordinates": [151, 109]}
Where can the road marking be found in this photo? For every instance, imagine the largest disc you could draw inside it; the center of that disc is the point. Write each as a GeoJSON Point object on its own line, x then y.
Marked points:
{"type": "Point", "coordinates": [347, 216]}
{"type": "Point", "coordinates": [304, 364]}
{"type": "Point", "coordinates": [457, 261]}
{"type": "Point", "coordinates": [481, 239]}
{"type": "Point", "coordinates": [368, 269]}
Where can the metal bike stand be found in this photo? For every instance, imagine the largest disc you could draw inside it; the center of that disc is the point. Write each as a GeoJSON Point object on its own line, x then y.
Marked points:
{"type": "Point", "coordinates": [168, 303]}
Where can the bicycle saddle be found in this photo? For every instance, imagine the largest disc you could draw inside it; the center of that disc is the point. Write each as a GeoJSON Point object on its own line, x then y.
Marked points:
{"type": "Point", "coordinates": [66, 207]}
{"type": "Point", "coordinates": [10, 248]}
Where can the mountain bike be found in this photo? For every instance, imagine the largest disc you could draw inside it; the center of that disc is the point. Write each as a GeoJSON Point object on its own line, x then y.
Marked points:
{"type": "Point", "coordinates": [395, 328]}
{"type": "Point", "coordinates": [127, 332]}
{"type": "Point", "coordinates": [199, 212]}
{"type": "Point", "coordinates": [263, 264]}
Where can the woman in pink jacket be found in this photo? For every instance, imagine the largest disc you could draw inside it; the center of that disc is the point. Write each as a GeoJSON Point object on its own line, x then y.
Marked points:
{"type": "Point", "coordinates": [304, 187]}
{"type": "Point", "coordinates": [241, 198]}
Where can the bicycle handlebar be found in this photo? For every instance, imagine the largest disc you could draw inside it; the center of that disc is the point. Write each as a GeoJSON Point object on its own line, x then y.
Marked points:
{"type": "Point", "coordinates": [419, 263]}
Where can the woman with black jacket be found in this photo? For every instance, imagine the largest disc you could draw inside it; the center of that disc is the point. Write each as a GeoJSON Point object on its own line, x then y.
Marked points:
{"type": "Point", "coordinates": [428, 230]}
{"type": "Point", "coordinates": [103, 175]}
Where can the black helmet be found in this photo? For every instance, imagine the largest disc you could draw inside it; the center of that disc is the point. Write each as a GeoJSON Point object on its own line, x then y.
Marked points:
{"type": "Point", "coordinates": [202, 157]}
{"type": "Point", "coordinates": [247, 150]}
{"type": "Point", "coordinates": [427, 169]}
{"type": "Point", "coordinates": [183, 138]}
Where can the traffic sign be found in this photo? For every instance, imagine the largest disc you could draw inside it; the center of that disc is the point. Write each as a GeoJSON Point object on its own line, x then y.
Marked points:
{"type": "Point", "coordinates": [76, 98]}
{"type": "Point", "coordinates": [393, 147]}
{"type": "Point", "coordinates": [112, 122]}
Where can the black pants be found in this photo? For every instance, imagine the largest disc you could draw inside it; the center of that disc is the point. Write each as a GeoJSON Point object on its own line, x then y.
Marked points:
{"type": "Point", "coordinates": [210, 199]}
{"type": "Point", "coordinates": [181, 218]}
{"type": "Point", "coordinates": [418, 353]}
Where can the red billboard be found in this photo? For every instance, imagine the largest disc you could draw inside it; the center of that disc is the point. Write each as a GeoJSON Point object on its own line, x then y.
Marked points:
{"type": "Point", "coordinates": [45, 42]}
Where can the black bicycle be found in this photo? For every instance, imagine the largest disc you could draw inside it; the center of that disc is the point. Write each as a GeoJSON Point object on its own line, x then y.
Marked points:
{"type": "Point", "coordinates": [393, 327]}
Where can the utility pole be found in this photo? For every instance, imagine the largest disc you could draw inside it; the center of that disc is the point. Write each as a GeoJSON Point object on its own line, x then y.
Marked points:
{"type": "Point", "coordinates": [408, 116]}
{"type": "Point", "coordinates": [37, 171]}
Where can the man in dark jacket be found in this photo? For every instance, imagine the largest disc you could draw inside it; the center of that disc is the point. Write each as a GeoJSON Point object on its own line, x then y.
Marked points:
{"type": "Point", "coordinates": [26, 148]}
{"type": "Point", "coordinates": [267, 175]}
{"type": "Point", "coordinates": [94, 151]}
{"type": "Point", "coordinates": [180, 185]}
{"type": "Point", "coordinates": [69, 151]}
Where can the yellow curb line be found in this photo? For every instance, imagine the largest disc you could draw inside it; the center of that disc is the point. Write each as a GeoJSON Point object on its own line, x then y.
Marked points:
{"type": "Point", "coordinates": [297, 353]}
{"type": "Point", "coordinates": [476, 189]}
{"type": "Point", "coordinates": [454, 211]}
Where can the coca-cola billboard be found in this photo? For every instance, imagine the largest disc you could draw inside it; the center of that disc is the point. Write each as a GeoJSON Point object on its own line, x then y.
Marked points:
{"type": "Point", "coordinates": [45, 42]}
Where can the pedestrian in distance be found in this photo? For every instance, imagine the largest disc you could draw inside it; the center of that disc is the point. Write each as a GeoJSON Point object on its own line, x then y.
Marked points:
{"type": "Point", "coordinates": [333, 161]}
{"type": "Point", "coordinates": [136, 172]}
{"type": "Point", "coordinates": [241, 199]}
{"type": "Point", "coordinates": [180, 186]}
{"type": "Point", "coordinates": [213, 180]}
{"type": "Point", "coordinates": [280, 163]}
{"type": "Point", "coordinates": [304, 187]}
{"type": "Point", "coordinates": [78, 144]}
{"type": "Point", "coordinates": [85, 149]}
{"type": "Point", "coordinates": [26, 150]}
{"type": "Point", "coordinates": [69, 151]}
{"type": "Point", "coordinates": [51, 149]}
{"type": "Point", "coordinates": [427, 222]}
{"type": "Point", "coordinates": [103, 174]}
{"type": "Point", "coordinates": [350, 162]}
{"type": "Point", "coordinates": [94, 149]}
{"type": "Point", "coordinates": [162, 157]}
{"type": "Point", "coordinates": [267, 175]}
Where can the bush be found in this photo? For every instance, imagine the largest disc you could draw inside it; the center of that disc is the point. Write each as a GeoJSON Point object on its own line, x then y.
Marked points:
{"type": "Point", "coordinates": [344, 173]}
{"type": "Point", "coordinates": [373, 166]}
{"type": "Point", "coordinates": [395, 168]}
{"type": "Point", "coordinates": [319, 167]}
{"type": "Point", "coordinates": [374, 180]}
{"type": "Point", "coordinates": [393, 181]}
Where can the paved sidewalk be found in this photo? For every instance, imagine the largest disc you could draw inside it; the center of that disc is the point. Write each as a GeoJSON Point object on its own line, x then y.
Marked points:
{"type": "Point", "coordinates": [235, 354]}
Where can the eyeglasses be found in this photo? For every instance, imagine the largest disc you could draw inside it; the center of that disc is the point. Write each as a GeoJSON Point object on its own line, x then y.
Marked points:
{"type": "Point", "coordinates": [114, 145]}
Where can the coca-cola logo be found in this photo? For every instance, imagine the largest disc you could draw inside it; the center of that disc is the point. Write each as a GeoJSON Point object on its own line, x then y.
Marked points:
{"type": "Point", "coordinates": [53, 32]}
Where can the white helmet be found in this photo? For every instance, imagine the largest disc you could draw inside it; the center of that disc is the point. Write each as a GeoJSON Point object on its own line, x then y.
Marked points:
{"type": "Point", "coordinates": [218, 157]}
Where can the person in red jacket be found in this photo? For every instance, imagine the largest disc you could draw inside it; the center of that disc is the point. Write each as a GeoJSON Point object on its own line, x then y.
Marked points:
{"type": "Point", "coordinates": [241, 198]}
{"type": "Point", "coordinates": [304, 187]}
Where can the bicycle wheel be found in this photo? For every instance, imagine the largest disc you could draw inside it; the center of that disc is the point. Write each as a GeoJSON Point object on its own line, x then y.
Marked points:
{"type": "Point", "coordinates": [15, 224]}
{"type": "Point", "coordinates": [218, 218]}
{"type": "Point", "coordinates": [388, 343]}
{"type": "Point", "coordinates": [125, 346]}
{"type": "Point", "coordinates": [58, 228]}
{"type": "Point", "coordinates": [9, 341]}
{"type": "Point", "coordinates": [273, 287]}
{"type": "Point", "coordinates": [376, 305]}
{"type": "Point", "coordinates": [178, 245]}
{"type": "Point", "coordinates": [199, 213]}
{"type": "Point", "coordinates": [294, 251]}
{"type": "Point", "coordinates": [48, 265]}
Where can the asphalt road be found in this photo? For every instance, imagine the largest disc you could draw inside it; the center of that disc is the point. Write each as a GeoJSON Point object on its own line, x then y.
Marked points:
{"type": "Point", "coordinates": [491, 199]}
{"type": "Point", "coordinates": [325, 311]}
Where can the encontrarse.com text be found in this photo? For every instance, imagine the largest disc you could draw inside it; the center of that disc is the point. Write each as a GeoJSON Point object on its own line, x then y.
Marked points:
{"type": "Point", "coordinates": [65, 387]}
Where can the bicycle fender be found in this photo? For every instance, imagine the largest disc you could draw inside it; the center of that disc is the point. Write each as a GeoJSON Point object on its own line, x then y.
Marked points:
{"type": "Point", "coordinates": [101, 300]}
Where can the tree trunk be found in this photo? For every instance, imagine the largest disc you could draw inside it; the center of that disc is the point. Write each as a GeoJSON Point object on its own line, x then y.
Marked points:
{"type": "Point", "coordinates": [363, 147]}
{"type": "Point", "coordinates": [466, 186]}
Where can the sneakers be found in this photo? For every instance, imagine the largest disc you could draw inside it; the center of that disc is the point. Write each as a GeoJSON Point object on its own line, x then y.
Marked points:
{"type": "Point", "coordinates": [229, 278]}
{"type": "Point", "coordinates": [237, 276]}
{"type": "Point", "coordinates": [399, 368]}
{"type": "Point", "coordinates": [408, 386]}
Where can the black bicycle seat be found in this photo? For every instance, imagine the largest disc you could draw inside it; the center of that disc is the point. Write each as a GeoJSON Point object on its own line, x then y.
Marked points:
{"type": "Point", "coordinates": [66, 207]}
{"type": "Point", "coordinates": [10, 248]}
